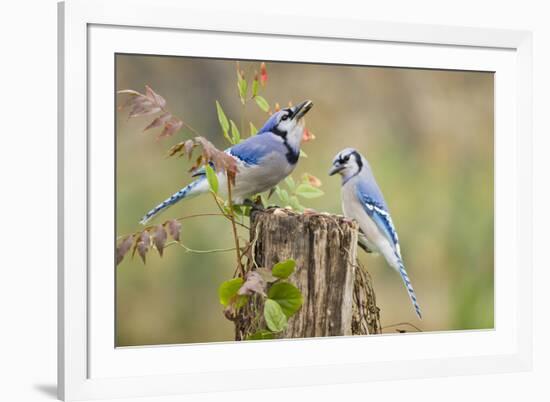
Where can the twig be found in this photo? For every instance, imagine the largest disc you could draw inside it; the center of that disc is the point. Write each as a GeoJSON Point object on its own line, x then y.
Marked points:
{"type": "Point", "coordinates": [181, 218]}
{"type": "Point", "coordinates": [402, 323]}
{"type": "Point", "coordinates": [253, 245]}
{"type": "Point", "coordinates": [190, 128]}
{"type": "Point", "coordinates": [227, 216]}
{"type": "Point", "coordinates": [234, 226]}
{"type": "Point", "coordinates": [190, 250]}
{"type": "Point", "coordinates": [243, 118]}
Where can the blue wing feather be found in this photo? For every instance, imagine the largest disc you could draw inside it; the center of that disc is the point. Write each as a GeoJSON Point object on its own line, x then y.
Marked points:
{"type": "Point", "coordinates": [254, 149]}
{"type": "Point", "coordinates": [375, 206]}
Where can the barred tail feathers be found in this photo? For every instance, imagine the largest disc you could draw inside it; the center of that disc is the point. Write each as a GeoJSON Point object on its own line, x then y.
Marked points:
{"type": "Point", "coordinates": [409, 287]}
{"type": "Point", "coordinates": [194, 188]}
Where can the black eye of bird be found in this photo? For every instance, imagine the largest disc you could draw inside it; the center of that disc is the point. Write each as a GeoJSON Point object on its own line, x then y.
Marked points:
{"type": "Point", "coordinates": [285, 116]}
{"type": "Point", "coordinates": [346, 158]}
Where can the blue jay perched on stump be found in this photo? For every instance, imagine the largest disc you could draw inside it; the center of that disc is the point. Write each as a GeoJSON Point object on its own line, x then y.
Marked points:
{"type": "Point", "coordinates": [363, 201]}
{"type": "Point", "coordinates": [262, 160]}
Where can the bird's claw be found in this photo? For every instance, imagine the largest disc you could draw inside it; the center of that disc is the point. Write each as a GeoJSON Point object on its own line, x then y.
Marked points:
{"type": "Point", "coordinates": [256, 205]}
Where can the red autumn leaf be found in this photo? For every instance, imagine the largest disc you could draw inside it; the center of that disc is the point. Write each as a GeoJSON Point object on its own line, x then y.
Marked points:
{"type": "Point", "coordinates": [307, 135]}
{"type": "Point", "coordinates": [263, 74]}
{"type": "Point", "coordinates": [174, 227]}
{"type": "Point", "coordinates": [159, 238]}
{"type": "Point", "coordinates": [314, 181]}
{"type": "Point", "coordinates": [123, 248]}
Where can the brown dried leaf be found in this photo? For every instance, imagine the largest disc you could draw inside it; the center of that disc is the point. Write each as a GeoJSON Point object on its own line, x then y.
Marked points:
{"type": "Point", "coordinates": [143, 105]}
{"type": "Point", "coordinates": [155, 98]}
{"type": "Point", "coordinates": [198, 163]}
{"type": "Point", "coordinates": [123, 247]}
{"type": "Point", "coordinates": [159, 121]}
{"type": "Point", "coordinates": [171, 127]}
{"type": "Point", "coordinates": [177, 148]}
{"type": "Point", "coordinates": [221, 160]}
{"type": "Point", "coordinates": [143, 244]}
{"type": "Point", "coordinates": [174, 228]}
{"type": "Point", "coordinates": [189, 145]}
{"type": "Point", "coordinates": [254, 284]}
{"type": "Point", "coordinates": [207, 148]}
{"type": "Point", "coordinates": [159, 238]}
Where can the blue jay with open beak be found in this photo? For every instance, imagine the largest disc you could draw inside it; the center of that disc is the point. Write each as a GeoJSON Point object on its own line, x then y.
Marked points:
{"type": "Point", "coordinates": [263, 160]}
{"type": "Point", "coordinates": [363, 201]}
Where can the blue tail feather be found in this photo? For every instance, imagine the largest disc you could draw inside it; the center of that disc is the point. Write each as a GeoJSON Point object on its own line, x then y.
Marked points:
{"type": "Point", "coordinates": [409, 287]}
{"type": "Point", "coordinates": [185, 192]}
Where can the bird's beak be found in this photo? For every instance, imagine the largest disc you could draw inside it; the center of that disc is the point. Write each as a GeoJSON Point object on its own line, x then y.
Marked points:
{"type": "Point", "coordinates": [335, 169]}
{"type": "Point", "coordinates": [302, 109]}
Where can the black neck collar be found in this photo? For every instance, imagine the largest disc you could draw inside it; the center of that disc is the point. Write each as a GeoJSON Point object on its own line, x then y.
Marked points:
{"type": "Point", "coordinates": [292, 155]}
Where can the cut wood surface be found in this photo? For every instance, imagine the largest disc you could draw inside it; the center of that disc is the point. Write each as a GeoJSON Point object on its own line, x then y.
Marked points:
{"type": "Point", "coordinates": [338, 294]}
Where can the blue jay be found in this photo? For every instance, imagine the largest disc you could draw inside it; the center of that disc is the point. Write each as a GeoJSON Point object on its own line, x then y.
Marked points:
{"type": "Point", "coordinates": [262, 160]}
{"type": "Point", "coordinates": [363, 201]}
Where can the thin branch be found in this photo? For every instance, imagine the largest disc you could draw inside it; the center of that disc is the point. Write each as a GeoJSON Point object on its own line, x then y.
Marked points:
{"type": "Point", "coordinates": [243, 119]}
{"type": "Point", "coordinates": [190, 128]}
{"type": "Point", "coordinates": [190, 250]}
{"type": "Point", "coordinates": [181, 218]}
{"type": "Point", "coordinates": [402, 323]}
{"type": "Point", "coordinates": [225, 214]}
{"type": "Point", "coordinates": [234, 226]}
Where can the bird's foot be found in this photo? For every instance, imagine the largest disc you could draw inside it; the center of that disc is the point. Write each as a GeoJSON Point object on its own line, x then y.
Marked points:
{"type": "Point", "coordinates": [255, 205]}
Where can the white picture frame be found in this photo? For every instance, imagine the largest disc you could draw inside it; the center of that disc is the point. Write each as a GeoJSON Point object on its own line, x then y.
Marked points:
{"type": "Point", "coordinates": [90, 367]}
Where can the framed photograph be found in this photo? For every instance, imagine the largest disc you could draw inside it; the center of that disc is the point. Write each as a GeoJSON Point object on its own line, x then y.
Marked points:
{"type": "Point", "coordinates": [295, 203]}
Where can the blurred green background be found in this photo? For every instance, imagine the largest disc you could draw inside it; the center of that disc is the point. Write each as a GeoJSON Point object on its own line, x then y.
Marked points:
{"type": "Point", "coordinates": [428, 135]}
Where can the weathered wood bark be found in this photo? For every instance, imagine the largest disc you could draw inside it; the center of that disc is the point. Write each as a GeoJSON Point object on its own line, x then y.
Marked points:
{"type": "Point", "coordinates": [365, 314]}
{"type": "Point", "coordinates": [338, 294]}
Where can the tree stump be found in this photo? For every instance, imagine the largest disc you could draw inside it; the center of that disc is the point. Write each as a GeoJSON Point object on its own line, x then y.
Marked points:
{"type": "Point", "coordinates": [338, 295]}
